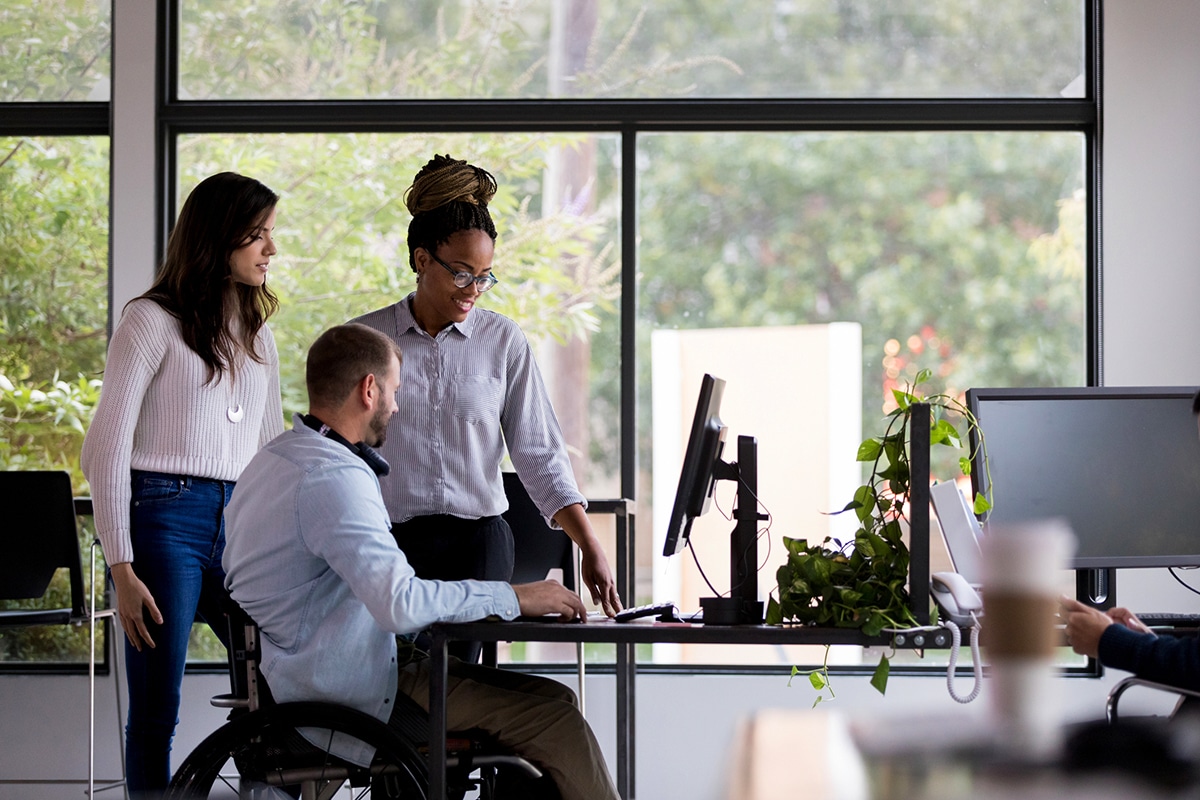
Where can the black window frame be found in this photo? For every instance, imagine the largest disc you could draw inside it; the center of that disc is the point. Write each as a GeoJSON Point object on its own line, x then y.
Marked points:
{"type": "Point", "coordinates": [628, 118]}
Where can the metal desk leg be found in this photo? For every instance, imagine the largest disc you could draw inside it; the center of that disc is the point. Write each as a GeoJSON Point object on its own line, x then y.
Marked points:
{"type": "Point", "coordinates": [437, 716]}
{"type": "Point", "coordinates": [626, 727]}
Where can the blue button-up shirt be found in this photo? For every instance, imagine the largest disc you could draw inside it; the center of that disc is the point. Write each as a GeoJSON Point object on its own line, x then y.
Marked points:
{"type": "Point", "coordinates": [310, 558]}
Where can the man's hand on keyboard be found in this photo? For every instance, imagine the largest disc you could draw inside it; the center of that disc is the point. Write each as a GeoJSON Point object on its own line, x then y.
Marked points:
{"type": "Point", "coordinates": [1085, 625]}
{"type": "Point", "coordinates": [549, 597]}
{"type": "Point", "coordinates": [1129, 620]}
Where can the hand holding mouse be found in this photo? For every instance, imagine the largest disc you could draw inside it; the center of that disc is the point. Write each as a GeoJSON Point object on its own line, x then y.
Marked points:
{"type": "Point", "coordinates": [1085, 625]}
{"type": "Point", "coordinates": [549, 597]}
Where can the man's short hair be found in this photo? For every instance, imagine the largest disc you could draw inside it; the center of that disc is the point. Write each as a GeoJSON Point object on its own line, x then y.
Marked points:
{"type": "Point", "coordinates": [341, 357]}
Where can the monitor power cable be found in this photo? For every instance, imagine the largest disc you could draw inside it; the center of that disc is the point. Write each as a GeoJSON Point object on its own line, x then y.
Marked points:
{"type": "Point", "coordinates": [1181, 581]}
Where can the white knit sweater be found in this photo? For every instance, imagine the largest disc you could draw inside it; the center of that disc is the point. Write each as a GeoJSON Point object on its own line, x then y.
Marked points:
{"type": "Point", "coordinates": [157, 414]}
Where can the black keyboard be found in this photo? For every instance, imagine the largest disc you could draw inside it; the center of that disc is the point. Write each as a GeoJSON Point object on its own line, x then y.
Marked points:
{"type": "Point", "coordinates": [664, 611]}
{"type": "Point", "coordinates": [1170, 620]}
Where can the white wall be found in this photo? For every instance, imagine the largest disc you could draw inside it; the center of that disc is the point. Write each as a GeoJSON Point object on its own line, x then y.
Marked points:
{"type": "Point", "coordinates": [1151, 192]}
{"type": "Point", "coordinates": [1150, 326]}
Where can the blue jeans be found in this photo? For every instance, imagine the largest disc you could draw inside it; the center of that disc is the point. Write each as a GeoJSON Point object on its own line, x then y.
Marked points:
{"type": "Point", "coordinates": [178, 532]}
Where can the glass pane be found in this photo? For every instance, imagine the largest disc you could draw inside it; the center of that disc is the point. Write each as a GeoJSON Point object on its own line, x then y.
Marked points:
{"type": "Point", "coordinates": [341, 231]}
{"type": "Point", "coordinates": [815, 273]}
{"type": "Point", "coordinates": [53, 311]}
{"type": "Point", "coordinates": [55, 50]}
{"type": "Point", "coordinates": [411, 49]}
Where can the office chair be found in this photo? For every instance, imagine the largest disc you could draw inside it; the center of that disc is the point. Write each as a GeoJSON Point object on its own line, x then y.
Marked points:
{"type": "Point", "coordinates": [259, 748]}
{"type": "Point", "coordinates": [1187, 698]}
{"type": "Point", "coordinates": [40, 537]}
{"type": "Point", "coordinates": [537, 549]}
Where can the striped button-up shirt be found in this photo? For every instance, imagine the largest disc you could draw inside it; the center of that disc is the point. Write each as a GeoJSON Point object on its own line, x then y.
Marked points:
{"type": "Point", "coordinates": [464, 394]}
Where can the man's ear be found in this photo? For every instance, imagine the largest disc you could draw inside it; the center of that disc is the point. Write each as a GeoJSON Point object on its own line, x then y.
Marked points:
{"type": "Point", "coordinates": [368, 391]}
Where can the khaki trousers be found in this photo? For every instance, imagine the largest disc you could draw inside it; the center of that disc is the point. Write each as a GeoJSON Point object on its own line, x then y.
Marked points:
{"type": "Point", "coordinates": [535, 717]}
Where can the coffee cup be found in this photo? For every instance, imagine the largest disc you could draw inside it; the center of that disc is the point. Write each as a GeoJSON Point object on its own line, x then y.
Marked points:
{"type": "Point", "coordinates": [1023, 567]}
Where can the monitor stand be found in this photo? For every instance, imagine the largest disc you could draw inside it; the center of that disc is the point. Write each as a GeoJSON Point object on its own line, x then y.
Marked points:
{"type": "Point", "coordinates": [742, 606]}
{"type": "Point", "coordinates": [1096, 587]}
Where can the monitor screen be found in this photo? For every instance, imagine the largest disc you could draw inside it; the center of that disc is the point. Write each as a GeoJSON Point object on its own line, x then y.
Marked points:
{"type": "Point", "coordinates": [696, 479]}
{"type": "Point", "coordinates": [1121, 464]}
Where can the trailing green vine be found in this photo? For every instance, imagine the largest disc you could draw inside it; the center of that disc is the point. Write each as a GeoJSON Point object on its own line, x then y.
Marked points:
{"type": "Point", "coordinates": [862, 583]}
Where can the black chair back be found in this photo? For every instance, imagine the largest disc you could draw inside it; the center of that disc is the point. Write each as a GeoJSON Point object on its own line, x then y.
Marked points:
{"type": "Point", "coordinates": [537, 548]}
{"type": "Point", "coordinates": [40, 536]}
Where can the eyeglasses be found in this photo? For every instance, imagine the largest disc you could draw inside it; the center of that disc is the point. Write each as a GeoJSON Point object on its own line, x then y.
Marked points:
{"type": "Point", "coordinates": [464, 279]}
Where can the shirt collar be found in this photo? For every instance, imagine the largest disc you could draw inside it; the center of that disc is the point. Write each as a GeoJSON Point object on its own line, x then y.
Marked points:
{"type": "Point", "coordinates": [405, 321]}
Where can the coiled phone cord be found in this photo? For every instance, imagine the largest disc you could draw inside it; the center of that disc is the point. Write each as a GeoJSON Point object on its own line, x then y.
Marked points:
{"type": "Point", "coordinates": [956, 642]}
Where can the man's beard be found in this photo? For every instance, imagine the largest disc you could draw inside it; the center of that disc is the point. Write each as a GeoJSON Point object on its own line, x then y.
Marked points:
{"type": "Point", "coordinates": [378, 426]}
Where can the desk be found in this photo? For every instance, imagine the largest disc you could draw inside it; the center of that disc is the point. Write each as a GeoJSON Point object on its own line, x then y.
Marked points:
{"type": "Point", "coordinates": [625, 636]}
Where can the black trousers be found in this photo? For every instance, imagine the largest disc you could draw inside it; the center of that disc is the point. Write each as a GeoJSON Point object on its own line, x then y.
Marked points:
{"type": "Point", "coordinates": [448, 548]}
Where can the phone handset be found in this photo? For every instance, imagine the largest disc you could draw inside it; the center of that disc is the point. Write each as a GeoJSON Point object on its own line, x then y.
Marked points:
{"type": "Point", "coordinates": [956, 598]}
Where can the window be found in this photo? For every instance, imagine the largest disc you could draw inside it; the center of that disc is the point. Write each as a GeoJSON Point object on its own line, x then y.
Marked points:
{"type": "Point", "coordinates": [55, 51]}
{"type": "Point", "coordinates": [53, 267]}
{"type": "Point", "coordinates": [54, 184]}
{"type": "Point", "coordinates": [815, 198]}
{"type": "Point", "coordinates": [542, 49]}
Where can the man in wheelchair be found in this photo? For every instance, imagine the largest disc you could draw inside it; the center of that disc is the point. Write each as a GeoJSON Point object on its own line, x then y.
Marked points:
{"type": "Point", "coordinates": [310, 559]}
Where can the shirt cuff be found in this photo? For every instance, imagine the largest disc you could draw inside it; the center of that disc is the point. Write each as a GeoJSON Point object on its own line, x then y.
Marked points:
{"type": "Point", "coordinates": [509, 607]}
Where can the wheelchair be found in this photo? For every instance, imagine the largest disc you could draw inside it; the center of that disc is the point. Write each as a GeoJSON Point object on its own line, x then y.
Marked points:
{"type": "Point", "coordinates": [259, 753]}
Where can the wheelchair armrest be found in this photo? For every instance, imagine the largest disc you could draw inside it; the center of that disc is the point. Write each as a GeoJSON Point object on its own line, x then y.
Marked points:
{"type": "Point", "coordinates": [471, 761]}
{"type": "Point", "coordinates": [229, 701]}
{"type": "Point", "coordinates": [1114, 695]}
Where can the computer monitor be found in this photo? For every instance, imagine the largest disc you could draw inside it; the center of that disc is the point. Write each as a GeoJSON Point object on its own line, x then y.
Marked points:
{"type": "Point", "coordinates": [702, 468]}
{"type": "Point", "coordinates": [697, 477]}
{"type": "Point", "coordinates": [1120, 464]}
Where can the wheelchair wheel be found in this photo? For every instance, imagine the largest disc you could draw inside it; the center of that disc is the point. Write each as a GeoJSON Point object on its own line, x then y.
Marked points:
{"type": "Point", "coordinates": [260, 756]}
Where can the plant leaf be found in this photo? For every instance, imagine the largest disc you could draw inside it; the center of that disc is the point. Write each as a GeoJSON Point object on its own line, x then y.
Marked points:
{"type": "Point", "coordinates": [869, 450]}
{"type": "Point", "coordinates": [880, 679]}
{"type": "Point", "coordinates": [944, 432]}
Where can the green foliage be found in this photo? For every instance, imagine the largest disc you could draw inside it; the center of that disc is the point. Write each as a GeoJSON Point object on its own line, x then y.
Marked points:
{"type": "Point", "coordinates": [818, 679]}
{"type": "Point", "coordinates": [53, 257]}
{"type": "Point", "coordinates": [53, 283]}
{"type": "Point", "coordinates": [43, 428]}
{"type": "Point", "coordinates": [55, 50]}
{"type": "Point", "coordinates": [863, 584]}
{"type": "Point", "coordinates": [958, 252]}
{"type": "Point", "coordinates": [667, 48]}
{"type": "Point", "coordinates": [343, 252]}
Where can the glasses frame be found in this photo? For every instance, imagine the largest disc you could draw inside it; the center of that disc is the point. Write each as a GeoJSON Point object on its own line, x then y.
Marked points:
{"type": "Point", "coordinates": [464, 279]}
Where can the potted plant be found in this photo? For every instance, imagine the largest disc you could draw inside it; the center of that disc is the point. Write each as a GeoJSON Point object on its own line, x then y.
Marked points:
{"type": "Point", "coordinates": [862, 583]}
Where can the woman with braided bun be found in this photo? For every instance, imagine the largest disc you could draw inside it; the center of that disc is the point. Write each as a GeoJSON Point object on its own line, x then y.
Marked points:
{"type": "Point", "coordinates": [470, 387]}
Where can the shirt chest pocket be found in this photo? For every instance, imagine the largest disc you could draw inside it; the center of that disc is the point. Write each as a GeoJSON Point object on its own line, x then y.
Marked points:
{"type": "Point", "coordinates": [477, 398]}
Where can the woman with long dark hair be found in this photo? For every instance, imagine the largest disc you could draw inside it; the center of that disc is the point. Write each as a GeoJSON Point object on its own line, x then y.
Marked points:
{"type": "Point", "coordinates": [191, 391]}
